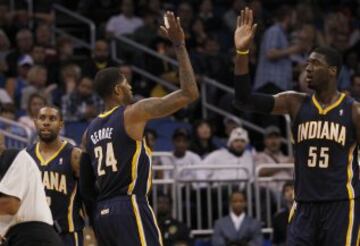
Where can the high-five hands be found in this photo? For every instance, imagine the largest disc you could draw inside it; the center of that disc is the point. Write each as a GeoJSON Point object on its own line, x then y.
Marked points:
{"type": "Point", "coordinates": [172, 29]}
{"type": "Point", "coordinates": [245, 30]}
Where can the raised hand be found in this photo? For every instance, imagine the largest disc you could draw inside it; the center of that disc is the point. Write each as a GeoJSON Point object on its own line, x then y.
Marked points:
{"type": "Point", "coordinates": [245, 30]}
{"type": "Point", "coordinates": [172, 28]}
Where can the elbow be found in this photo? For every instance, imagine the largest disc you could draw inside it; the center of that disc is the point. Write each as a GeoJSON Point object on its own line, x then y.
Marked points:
{"type": "Point", "coordinates": [192, 96]}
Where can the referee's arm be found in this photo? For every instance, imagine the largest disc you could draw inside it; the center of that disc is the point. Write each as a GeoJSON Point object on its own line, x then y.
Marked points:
{"type": "Point", "coordinates": [9, 205]}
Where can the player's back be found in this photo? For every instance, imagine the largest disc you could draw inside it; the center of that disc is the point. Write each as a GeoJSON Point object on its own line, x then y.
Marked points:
{"type": "Point", "coordinates": [122, 166]}
{"type": "Point", "coordinates": [326, 166]}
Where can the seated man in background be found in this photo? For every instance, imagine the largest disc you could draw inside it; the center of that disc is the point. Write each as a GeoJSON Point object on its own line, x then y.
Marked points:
{"type": "Point", "coordinates": [272, 154]}
{"type": "Point", "coordinates": [173, 231]}
{"type": "Point", "coordinates": [235, 153]}
{"type": "Point", "coordinates": [280, 220]}
{"type": "Point", "coordinates": [237, 229]}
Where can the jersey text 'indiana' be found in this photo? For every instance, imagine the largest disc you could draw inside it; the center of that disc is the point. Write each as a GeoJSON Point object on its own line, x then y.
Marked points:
{"type": "Point", "coordinates": [322, 130]}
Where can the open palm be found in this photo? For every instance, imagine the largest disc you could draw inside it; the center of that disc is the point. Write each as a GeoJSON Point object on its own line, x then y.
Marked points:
{"type": "Point", "coordinates": [245, 30]}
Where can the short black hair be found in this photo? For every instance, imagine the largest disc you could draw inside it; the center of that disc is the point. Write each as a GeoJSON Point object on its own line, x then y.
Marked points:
{"type": "Point", "coordinates": [105, 81]}
{"type": "Point", "coordinates": [32, 97]}
{"type": "Point", "coordinates": [286, 185]}
{"type": "Point", "coordinates": [282, 12]}
{"type": "Point", "coordinates": [56, 108]}
{"type": "Point", "coordinates": [332, 57]}
{"type": "Point", "coordinates": [236, 191]}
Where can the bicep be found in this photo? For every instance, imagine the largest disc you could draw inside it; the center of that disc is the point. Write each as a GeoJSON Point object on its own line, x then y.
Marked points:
{"type": "Point", "coordinates": [156, 107]}
{"type": "Point", "coordinates": [356, 119]}
{"type": "Point", "coordinates": [75, 161]}
{"type": "Point", "coordinates": [287, 102]}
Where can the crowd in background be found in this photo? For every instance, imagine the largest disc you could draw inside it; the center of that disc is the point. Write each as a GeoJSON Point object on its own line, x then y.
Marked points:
{"type": "Point", "coordinates": [38, 69]}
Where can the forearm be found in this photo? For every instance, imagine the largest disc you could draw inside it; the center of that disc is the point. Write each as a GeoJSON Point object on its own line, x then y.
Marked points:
{"type": "Point", "coordinates": [186, 73]}
{"type": "Point", "coordinates": [245, 99]}
{"type": "Point", "coordinates": [8, 205]}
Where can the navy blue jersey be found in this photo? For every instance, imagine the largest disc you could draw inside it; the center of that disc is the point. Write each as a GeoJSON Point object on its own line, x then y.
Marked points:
{"type": "Point", "coordinates": [122, 166]}
{"type": "Point", "coordinates": [326, 160]}
{"type": "Point", "coordinates": [61, 187]}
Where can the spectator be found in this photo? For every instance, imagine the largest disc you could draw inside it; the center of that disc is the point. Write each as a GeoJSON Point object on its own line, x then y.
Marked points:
{"type": "Point", "coordinates": [37, 80]}
{"type": "Point", "coordinates": [234, 154]}
{"type": "Point", "coordinates": [15, 86]}
{"type": "Point", "coordinates": [231, 15]}
{"type": "Point", "coordinates": [4, 46]}
{"type": "Point", "coordinates": [43, 38]}
{"type": "Point", "coordinates": [7, 111]}
{"type": "Point", "coordinates": [274, 71]}
{"type": "Point", "coordinates": [349, 68]}
{"type": "Point", "coordinates": [82, 104]}
{"type": "Point", "coordinates": [24, 43]}
{"type": "Point", "coordinates": [280, 220]}
{"type": "Point", "coordinates": [147, 33]}
{"type": "Point", "coordinates": [198, 35]}
{"type": "Point", "coordinates": [100, 59]}
{"type": "Point", "coordinates": [38, 55]}
{"type": "Point", "coordinates": [237, 228]}
{"type": "Point", "coordinates": [173, 231]}
{"type": "Point", "coordinates": [207, 14]}
{"type": "Point", "coordinates": [124, 23]}
{"type": "Point", "coordinates": [186, 14]}
{"type": "Point", "coordinates": [355, 87]}
{"type": "Point", "coordinates": [181, 156]}
{"type": "Point", "coordinates": [35, 103]}
{"type": "Point", "coordinates": [140, 88]}
{"type": "Point", "coordinates": [272, 154]}
{"type": "Point", "coordinates": [150, 138]}
{"type": "Point", "coordinates": [202, 143]}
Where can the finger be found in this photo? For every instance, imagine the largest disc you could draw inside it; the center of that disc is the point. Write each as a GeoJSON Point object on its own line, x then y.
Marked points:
{"type": "Point", "coordinates": [246, 19]}
{"type": "Point", "coordinates": [242, 17]}
{"type": "Point", "coordinates": [251, 17]}
{"type": "Point", "coordinates": [163, 31]}
{"type": "Point", "coordinates": [238, 21]}
{"type": "Point", "coordinates": [253, 30]}
{"type": "Point", "coordinates": [178, 21]}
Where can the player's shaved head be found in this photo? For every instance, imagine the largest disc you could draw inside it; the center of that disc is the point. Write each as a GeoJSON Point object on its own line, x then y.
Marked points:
{"type": "Point", "coordinates": [332, 57]}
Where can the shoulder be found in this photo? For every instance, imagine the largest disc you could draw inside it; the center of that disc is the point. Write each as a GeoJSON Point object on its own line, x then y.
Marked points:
{"type": "Point", "coordinates": [251, 221]}
{"type": "Point", "coordinates": [192, 154]}
{"type": "Point", "coordinates": [24, 160]}
{"type": "Point", "coordinates": [222, 220]}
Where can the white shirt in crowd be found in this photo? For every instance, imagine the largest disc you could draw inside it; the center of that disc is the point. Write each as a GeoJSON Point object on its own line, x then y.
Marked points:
{"type": "Point", "coordinates": [190, 158]}
{"type": "Point", "coordinates": [237, 220]}
{"type": "Point", "coordinates": [225, 157]}
{"type": "Point", "coordinates": [23, 180]}
{"type": "Point", "coordinates": [121, 24]}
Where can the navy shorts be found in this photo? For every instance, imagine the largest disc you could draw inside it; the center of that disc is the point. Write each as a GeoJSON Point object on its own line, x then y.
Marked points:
{"type": "Point", "coordinates": [126, 221]}
{"type": "Point", "coordinates": [325, 224]}
{"type": "Point", "coordinates": [73, 238]}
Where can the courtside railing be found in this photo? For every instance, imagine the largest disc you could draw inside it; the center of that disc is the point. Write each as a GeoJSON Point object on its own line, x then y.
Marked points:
{"type": "Point", "coordinates": [16, 135]}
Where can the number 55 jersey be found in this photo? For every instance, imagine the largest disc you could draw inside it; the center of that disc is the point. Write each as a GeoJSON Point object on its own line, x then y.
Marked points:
{"type": "Point", "coordinates": [326, 151]}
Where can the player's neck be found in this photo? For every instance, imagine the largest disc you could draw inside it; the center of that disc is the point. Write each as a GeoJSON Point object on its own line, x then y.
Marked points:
{"type": "Point", "coordinates": [50, 147]}
{"type": "Point", "coordinates": [327, 97]}
{"type": "Point", "coordinates": [110, 104]}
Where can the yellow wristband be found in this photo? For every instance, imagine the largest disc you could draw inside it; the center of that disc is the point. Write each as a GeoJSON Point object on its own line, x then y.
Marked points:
{"type": "Point", "coordinates": [242, 53]}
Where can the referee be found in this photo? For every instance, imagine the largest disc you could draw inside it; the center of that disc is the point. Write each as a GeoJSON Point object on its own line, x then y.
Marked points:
{"type": "Point", "coordinates": [25, 217]}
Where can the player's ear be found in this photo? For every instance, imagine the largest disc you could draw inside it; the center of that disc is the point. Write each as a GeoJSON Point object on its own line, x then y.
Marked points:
{"type": "Point", "coordinates": [333, 71]}
{"type": "Point", "coordinates": [118, 90]}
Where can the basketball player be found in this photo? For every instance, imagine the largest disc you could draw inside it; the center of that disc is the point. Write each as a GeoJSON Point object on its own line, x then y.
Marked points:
{"type": "Point", "coordinates": [326, 132]}
{"type": "Point", "coordinates": [118, 159]}
{"type": "Point", "coordinates": [59, 163]}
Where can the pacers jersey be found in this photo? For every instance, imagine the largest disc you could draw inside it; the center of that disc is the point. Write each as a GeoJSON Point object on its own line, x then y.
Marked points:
{"type": "Point", "coordinates": [61, 187]}
{"type": "Point", "coordinates": [122, 166]}
{"type": "Point", "coordinates": [326, 160]}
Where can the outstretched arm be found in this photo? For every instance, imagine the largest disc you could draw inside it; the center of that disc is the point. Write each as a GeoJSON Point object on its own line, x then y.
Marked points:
{"type": "Point", "coordinates": [152, 108]}
{"type": "Point", "coordinates": [245, 99]}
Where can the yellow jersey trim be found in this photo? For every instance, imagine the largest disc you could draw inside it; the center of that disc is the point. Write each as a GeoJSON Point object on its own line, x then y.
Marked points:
{"type": "Point", "coordinates": [76, 238]}
{"type": "Point", "coordinates": [358, 238]}
{"type": "Point", "coordinates": [149, 155]}
{"type": "Point", "coordinates": [351, 195]}
{"type": "Point", "coordinates": [107, 113]}
{"type": "Point", "coordinates": [156, 225]}
{"type": "Point", "coordinates": [324, 111]}
{"type": "Point", "coordinates": [71, 209]}
{"type": "Point", "coordinates": [134, 167]}
{"type": "Point", "coordinates": [44, 162]}
{"type": "Point", "coordinates": [292, 212]}
{"type": "Point", "coordinates": [138, 221]}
